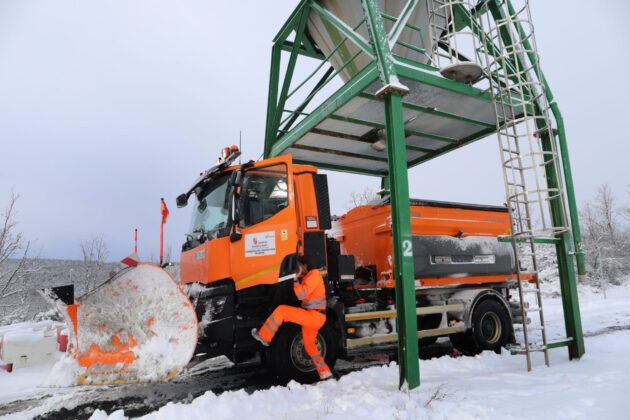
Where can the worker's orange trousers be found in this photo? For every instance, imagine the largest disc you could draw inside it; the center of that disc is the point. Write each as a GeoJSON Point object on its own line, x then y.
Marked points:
{"type": "Point", "coordinates": [310, 320]}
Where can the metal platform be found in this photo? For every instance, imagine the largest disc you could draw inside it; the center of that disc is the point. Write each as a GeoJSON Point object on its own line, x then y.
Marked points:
{"type": "Point", "coordinates": [440, 115]}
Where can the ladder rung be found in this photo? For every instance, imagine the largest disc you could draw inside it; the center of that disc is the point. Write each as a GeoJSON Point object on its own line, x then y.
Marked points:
{"type": "Point", "coordinates": [559, 343]}
{"type": "Point", "coordinates": [530, 290]}
{"type": "Point", "coordinates": [536, 309]}
{"type": "Point", "coordinates": [520, 349]}
{"type": "Point", "coordinates": [536, 328]}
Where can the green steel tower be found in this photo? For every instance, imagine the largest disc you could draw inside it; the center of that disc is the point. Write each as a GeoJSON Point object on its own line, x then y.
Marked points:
{"type": "Point", "coordinates": [378, 87]}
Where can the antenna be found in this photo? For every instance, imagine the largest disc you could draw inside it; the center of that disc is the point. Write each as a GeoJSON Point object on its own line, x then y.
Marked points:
{"type": "Point", "coordinates": [240, 136]}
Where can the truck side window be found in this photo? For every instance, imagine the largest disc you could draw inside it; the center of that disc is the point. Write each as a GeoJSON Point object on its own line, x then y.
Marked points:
{"type": "Point", "coordinates": [263, 194]}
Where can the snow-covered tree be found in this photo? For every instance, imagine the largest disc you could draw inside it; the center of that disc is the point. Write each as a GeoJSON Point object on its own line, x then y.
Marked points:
{"type": "Point", "coordinates": [357, 198]}
{"type": "Point", "coordinates": [606, 237]}
{"type": "Point", "coordinates": [15, 265]}
{"type": "Point", "coordinates": [94, 251]}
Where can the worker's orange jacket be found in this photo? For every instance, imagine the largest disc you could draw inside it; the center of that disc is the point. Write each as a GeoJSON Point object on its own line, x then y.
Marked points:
{"type": "Point", "coordinates": [311, 290]}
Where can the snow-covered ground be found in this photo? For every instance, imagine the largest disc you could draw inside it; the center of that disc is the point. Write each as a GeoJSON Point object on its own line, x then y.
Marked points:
{"type": "Point", "coordinates": [486, 386]}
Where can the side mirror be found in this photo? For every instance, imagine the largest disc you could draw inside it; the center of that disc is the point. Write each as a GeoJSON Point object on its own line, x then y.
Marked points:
{"type": "Point", "coordinates": [182, 200]}
{"type": "Point", "coordinates": [235, 235]}
{"type": "Point", "coordinates": [236, 214]}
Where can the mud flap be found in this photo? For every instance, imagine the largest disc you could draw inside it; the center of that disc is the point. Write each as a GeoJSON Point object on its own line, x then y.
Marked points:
{"type": "Point", "coordinates": [137, 327]}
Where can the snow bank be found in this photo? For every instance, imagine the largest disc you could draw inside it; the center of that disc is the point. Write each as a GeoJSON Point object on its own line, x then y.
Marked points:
{"type": "Point", "coordinates": [65, 372]}
{"type": "Point", "coordinates": [482, 387]}
{"type": "Point", "coordinates": [486, 386]}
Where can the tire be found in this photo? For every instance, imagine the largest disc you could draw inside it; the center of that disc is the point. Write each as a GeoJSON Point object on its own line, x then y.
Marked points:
{"type": "Point", "coordinates": [465, 343]}
{"type": "Point", "coordinates": [491, 326]}
{"type": "Point", "coordinates": [490, 330]}
{"type": "Point", "coordinates": [288, 359]}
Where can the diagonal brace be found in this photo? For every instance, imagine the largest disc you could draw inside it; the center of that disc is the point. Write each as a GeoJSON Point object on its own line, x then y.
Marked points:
{"type": "Point", "coordinates": [395, 32]}
{"type": "Point", "coordinates": [360, 42]}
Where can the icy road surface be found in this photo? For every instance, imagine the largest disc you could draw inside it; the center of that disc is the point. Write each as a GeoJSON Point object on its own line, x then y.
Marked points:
{"type": "Point", "coordinates": [486, 386]}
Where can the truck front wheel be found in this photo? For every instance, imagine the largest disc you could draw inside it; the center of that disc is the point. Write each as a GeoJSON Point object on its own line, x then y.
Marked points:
{"type": "Point", "coordinates": [287, 356]}
{"type": "Point", "coordinates": [490, 330]}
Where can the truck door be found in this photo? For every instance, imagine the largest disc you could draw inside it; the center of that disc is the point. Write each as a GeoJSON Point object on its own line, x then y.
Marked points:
{"type": "Point", "coordinates": [267, 223]}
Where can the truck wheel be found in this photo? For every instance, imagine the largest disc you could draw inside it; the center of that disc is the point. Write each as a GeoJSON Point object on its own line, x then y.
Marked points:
{"type": "Point", "coordinates": [490, 326]}
{"type": "Point", "coordinates": [287, 356]}
{"type": "Point", "coordinates": [465, 343]}
{"type": "Point", "coordinates": [490, 330]}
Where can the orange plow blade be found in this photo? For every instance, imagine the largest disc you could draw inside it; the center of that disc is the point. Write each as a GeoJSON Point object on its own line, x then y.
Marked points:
{"type": "Point", "coordinates": [137, 327]}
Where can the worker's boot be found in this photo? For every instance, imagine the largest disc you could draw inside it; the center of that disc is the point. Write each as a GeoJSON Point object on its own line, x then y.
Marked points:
{"type": "Point", "coordinates": [257, 337]}
{"type": "Point", "coordinates": [326, 376]}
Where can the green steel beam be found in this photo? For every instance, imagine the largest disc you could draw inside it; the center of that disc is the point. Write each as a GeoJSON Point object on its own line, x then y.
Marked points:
{"type": "Point", "coordinates": [466, 140]}
{"type": "Point", "coordinates": [401, 22]}
{"type": "Point", "coordinates": [303, 105]}
{"type": "Point", "coordinates": [291, 23]}
{"type": "Point", "coordinates": [344, 29]}
{"type": "Point", "coordinates": [402, 243]}
{"type": "Point", "coordinates": [380, 44]}
{"type": "Point", "coordinates": [560, 343]}
{"type": "Point", "coordinates": [433, 79]}
{"type": "Point", "coordinates": [385, 183]}
{"type": "Point", "coordinates": [272, 100]}
{"type": "Point", "coordinates": [299, 33]}
{"type": "Point", "coordinates": [568, 286]}
{"type": "Point", "coordinates": [288, 46]}
{"type": "Point", "coordinates": [409, 367]}
{"type": "Point", "coordinates": [349, 90]}
{"type": "Point", "coordinates": [409, 63]}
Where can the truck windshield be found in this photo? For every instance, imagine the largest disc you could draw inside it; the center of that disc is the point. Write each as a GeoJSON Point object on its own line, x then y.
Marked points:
{"type": "Point", "coordinates": [210, 212]}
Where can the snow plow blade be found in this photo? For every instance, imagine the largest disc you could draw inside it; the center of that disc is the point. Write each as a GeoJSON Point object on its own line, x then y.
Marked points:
{"type": "Point", "coordinates": [138, 326]}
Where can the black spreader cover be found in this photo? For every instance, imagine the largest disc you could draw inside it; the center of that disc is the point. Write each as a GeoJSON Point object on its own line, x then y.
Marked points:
{"type": "Point", "coordinates": [447, 256]}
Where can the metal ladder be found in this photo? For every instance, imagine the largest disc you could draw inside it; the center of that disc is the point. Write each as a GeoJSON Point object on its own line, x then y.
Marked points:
{"type": "Point", "coordinates": [522, 114]}
{"type": "Point", "coordinates": [450, 45]}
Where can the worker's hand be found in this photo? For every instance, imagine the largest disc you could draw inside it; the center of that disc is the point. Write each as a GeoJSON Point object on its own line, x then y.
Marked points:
{"type": "Point", "coordinates": [301, 272]}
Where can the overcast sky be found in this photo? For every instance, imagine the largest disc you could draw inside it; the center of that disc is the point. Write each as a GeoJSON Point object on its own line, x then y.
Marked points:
{"type": "Point", "coordinates": [106, 106]}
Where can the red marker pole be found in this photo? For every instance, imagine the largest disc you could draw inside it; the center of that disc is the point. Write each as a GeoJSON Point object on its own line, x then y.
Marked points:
{"type": "Point", "coordinates": [164, 210]}
{"type": "Point", "coordinates": [135, 247]}
{"type": "Point", "coordinates": [161, 242]}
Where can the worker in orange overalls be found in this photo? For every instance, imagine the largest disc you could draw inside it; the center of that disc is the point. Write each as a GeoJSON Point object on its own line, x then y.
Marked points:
{"type": "Point", "coordinates": [310, 290]}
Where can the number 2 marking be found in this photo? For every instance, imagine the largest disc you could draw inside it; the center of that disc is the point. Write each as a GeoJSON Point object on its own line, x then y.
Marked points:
{"type": "Point", "coordinates": [407, 248]}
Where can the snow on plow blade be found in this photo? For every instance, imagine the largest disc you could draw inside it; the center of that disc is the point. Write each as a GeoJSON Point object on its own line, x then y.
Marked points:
{"type": "Point", "coordinates": [136, 327]}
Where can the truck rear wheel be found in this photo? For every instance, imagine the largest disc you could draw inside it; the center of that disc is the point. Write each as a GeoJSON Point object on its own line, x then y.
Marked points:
{"type": "Point", "coordinates": [490, 330]}
{"type": "Point", "coordinates": [288, 359]}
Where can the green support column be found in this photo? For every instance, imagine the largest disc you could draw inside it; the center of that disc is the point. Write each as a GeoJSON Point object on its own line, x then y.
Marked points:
{"type": "Point", "coordinates": [392, 91]}
{"type": "Point", "coordinates": [566, 270]}
{"type": "Point", "coordinates": [385, 183]}
{"type": "Point", "coordinates": [272, 100]}
{"type": "Point", "coordinates": [407, 323]}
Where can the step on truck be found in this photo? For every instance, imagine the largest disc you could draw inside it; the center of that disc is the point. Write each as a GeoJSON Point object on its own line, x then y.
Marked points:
{"type": "Point", "coordinates": [249, 224]}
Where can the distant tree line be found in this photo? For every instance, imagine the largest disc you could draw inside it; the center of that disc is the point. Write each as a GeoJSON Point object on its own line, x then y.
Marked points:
{"type": "Point", "coordinates": [605, 224]}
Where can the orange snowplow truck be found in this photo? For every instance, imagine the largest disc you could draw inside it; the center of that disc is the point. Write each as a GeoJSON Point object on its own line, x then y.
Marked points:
{"type": "Point", "coordinates": [249, 224]}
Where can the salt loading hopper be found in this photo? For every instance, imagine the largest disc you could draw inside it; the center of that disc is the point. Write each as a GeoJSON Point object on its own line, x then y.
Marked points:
{"type": "Point", "coordinates": [439, 114]}
{"type": "Point", "coordinates": [417, 79]}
